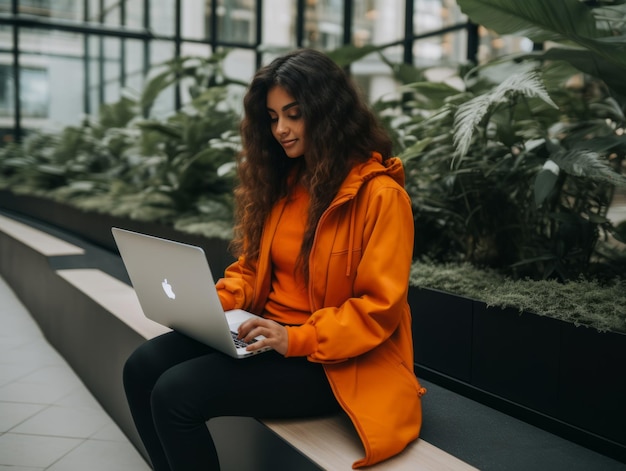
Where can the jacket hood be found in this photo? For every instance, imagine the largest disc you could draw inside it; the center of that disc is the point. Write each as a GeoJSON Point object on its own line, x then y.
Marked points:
{"type": "Point", "coordinates": [372, 168]}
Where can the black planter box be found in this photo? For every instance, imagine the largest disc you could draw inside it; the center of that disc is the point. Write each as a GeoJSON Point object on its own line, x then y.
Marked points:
{"type": "Point", "coordinates": [96, 227]}
{"type": "Point", "coordinates": [516, 356]}
{"type": "Point", "coordinates": [436, 312]}
{"type": "Point", "coordinates": [592, 381]}
{"type": "Point", "coordinates": [565, 379]}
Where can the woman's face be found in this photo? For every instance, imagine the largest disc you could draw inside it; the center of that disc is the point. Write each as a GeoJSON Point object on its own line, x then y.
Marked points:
{"type": "Point", "coordinates": [287, 122]}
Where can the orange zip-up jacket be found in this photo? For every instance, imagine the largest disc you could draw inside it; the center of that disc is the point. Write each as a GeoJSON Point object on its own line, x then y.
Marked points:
{"type": "Point", "coordinates": [360, 326]}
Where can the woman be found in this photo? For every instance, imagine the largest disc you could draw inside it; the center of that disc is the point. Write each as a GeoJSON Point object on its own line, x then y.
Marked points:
{"type": "Point", "coordinates": [324, 240]}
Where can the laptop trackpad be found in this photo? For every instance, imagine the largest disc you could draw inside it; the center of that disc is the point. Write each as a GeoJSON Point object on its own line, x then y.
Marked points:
{"type": "Point", "coordinates": [237, 317]}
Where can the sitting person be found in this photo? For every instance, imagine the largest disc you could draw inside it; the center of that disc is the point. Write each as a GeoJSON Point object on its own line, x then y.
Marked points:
{"type": "Point", "coordinates": [324, 240]}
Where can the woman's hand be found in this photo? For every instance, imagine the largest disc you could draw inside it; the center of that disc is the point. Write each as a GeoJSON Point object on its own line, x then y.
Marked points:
{"type": "Point", "coordinates": [275, 334]}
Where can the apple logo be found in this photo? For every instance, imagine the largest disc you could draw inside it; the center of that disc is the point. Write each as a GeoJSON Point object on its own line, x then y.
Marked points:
{"type": "Point", "coordinates": [168, 289]}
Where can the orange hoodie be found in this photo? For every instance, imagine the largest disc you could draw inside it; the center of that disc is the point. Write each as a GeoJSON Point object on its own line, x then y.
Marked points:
{"type": "Point", "coordinates": [360, 326]}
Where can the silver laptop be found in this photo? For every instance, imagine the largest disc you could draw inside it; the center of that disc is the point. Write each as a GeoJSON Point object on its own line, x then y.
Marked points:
{"type": "Point", "coordinates": [175, 288]}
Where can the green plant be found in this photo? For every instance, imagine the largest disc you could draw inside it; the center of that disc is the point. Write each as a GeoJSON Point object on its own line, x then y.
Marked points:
{"type": "Point", "coordinates": [582, 302]}
{"type": "Point", "coordinates": [475, 157]}
{"type": "Point", "coordinates": [45, 162]}
{"type": "Point", "coordinates": [130, 162]}
{"type": "Point", "coordinates": [516, 168]}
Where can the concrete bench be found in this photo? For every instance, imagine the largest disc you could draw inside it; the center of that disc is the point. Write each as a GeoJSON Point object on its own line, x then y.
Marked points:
{"type": "Point", "coordinates": [330, 442]}
{"type": "Point", "coordinates": [37, 240]}
{"type": "Point", "coordinates": [333, 443]}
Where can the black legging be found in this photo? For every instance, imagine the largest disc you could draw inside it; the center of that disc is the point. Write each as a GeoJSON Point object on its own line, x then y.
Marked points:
{"type": "Point", "coordinates": [174, 385]}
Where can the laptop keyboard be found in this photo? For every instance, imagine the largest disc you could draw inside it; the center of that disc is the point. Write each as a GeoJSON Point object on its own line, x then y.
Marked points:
{"type": "Point", "coordinates": [238, 342]}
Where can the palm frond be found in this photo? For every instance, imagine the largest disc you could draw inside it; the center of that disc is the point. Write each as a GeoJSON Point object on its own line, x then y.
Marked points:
{"type": "Point", "coordinates": [589, 164]}
{"type": "Point", "coordinates": [539, 20]}
{"type": "Point", "coordinates": [471, 113]}
{"type": "Point", "coordinates": [565, 22]}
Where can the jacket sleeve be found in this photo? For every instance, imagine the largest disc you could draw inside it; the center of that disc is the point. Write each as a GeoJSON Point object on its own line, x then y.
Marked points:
{"type": "Point", "coordinates": [377, 303]}
{"type": "Point", "coordinates": [235, 290]}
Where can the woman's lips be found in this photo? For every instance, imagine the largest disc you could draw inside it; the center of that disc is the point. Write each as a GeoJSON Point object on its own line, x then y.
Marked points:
{"type": "Point", "coordinates": [288, 143]}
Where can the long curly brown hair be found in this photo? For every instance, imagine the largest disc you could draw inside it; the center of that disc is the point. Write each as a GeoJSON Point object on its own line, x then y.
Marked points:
{"type": "Point", "coordinates": [340, 131]}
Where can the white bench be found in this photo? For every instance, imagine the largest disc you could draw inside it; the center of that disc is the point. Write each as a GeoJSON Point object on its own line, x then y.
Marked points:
{"type": "Point", "coordinates": [331, 442]}
{"type": "Point", "coordinates": [39, 241]}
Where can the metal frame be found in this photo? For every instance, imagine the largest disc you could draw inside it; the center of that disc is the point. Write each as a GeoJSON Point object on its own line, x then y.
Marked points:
{"type": "Point", "coordinates": [100, 31]}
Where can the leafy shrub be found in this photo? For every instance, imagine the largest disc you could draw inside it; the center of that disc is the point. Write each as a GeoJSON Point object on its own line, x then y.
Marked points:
{"type": "Point", "coordinates": [582, 302]}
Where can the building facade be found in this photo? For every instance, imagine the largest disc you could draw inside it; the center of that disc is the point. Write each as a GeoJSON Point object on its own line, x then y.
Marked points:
{"type": "Point", "coordinates": [61, 59]}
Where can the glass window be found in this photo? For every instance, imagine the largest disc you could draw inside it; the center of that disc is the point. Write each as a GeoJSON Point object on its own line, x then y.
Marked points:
{"type": "Point", "coordinates": [195, 50]}
{"type": "Point", "coordinates": [432, 15]}
{"type": "Point", "coordinates": [374, 76]}
{"type": "Point", "coordinates": [111, 13]}
{"type": "Point", "coordinates": [34, 91]}
{"type": "Point", "coordinates": [449, 48]}
{"type": "Point", "coordinates": [162, 17]}
{"type": "Point", "coordinates": [491, 45]}
{"type": "Point", "coordinates": [66, 84]}
{"type": "Point", "coordinates": [135, 14]}
{"type": "Point", "coordinates": [446, 49]}
{"type": "Point", "coordinates": [94, 73]}
{"type": "Point", "coordinates": [45, 53]}
{"type": "Point", "coordinates": [323, 24]}
{"type": "Point", "coordinates": [94, 13]}
{"type": "Point", "coordinates": [240, 64]}
{"type": "Point", "coordinates": [7, 99]}
{"type": "Point", "coordinates": [160, 52]}
{"type": "Point", "coordinates": [134, 65]}
{"type": "Point", "coordinates": [236, 21]}
{"type": "Point", "coordinates": [112, 69]}
{"type": "Point", "coordinates": [64, 9]}
{"type": "Point", "coordinates": [51, 78]}
{"type": "Point", "coordinates": [279, 23]}
{"type": "Point", "coordinates": [104, 63]}
{"type": "Point", "coordinates": [7, 86]}
{"type": "Point", "coordinates": [6, 39]}
{"type": "Point", "coordinates": [378, 22]}
{"type": "Point", "coordinates": [34, 7]}
{"type": "Point", "coordinates": [195, 19]}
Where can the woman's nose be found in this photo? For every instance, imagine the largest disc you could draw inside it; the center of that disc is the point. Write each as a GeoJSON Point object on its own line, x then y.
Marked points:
{"type": "Point", "coordinates": [281, 126]}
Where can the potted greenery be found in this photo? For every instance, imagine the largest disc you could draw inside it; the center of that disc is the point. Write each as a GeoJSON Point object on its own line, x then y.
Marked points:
{"type": "Point", "coordinates": [169, 175]}
{"type": "Point", "coordinates": [478, 333]}
{"type": "Point", "coordinates": [515, 171]}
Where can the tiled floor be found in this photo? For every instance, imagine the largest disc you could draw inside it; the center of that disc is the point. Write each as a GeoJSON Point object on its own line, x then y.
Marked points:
{"type": "Point", "coordinates": [48, 419]}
